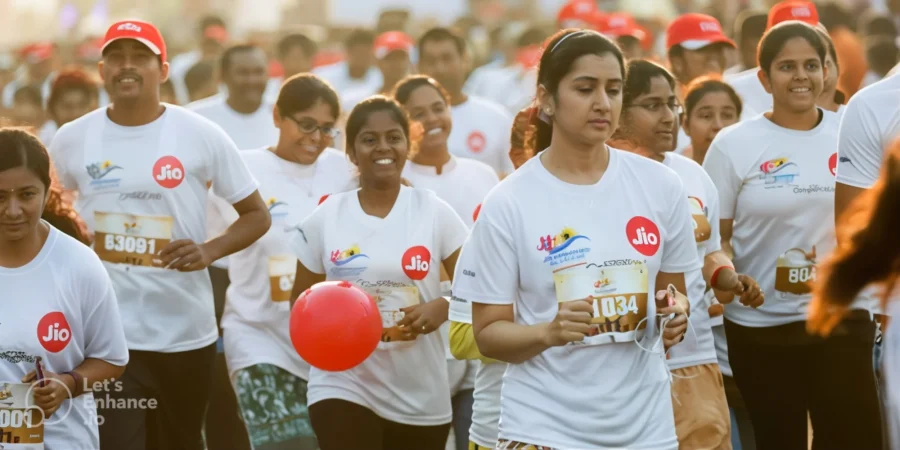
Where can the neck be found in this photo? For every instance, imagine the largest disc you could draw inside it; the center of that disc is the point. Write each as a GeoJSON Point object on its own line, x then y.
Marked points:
{"type": "Point", "coordinates": [357, 72]}
{"type": "Point", "coordinates": [573, 163]}
{"type": "Point", "coordinates": [378, 198]}
{"type": "Point", "coordinates": [698, 153]}
{"type": "Point", "coordinates": [285, 154]}
{"type": "Point", "coordinates": [458, 98]}
{"type": "Point", "coordinates": [630, 146]}
{"type": "Point", "coordinates": [137, 113]}
{"type": "Point", "coordinates": [434, 157]}
{"type": "Point", "coordinates": [828, 103]}
{"type": "Point", "coordinates": [14, 254]}
{"type": "Point", "coordinates": [243, 107]}
{"type": "Point", "coordinates": [803, 121]}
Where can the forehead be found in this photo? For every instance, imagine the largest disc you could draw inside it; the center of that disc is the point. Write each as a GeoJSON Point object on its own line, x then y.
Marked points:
{"type": "Point", "coordinates": [442, 45]}
{"type": "Point", "coordinates": [380, 122]}
{"type": "Point", "coordinates": [797, 48]}
{"type": "Point", "coordinates": [605, 67]}
{"type": "Point", "coordinates": [130, 45]}
{"type": "Point", "coordinates": [253, 56]}
{"type": "Point", "coordinates": [659, 87]}
{"type": "Point", "coordinates": [424, 94]}
{"type": "Point", "coordinates": [716, 99]}
{"type": "Point", "coordinates": [18, 178]}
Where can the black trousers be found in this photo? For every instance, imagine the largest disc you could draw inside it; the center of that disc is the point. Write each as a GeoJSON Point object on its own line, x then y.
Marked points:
{"type": "Point", "coordinates": [178, 382]}
{"type": "Point", "coordinates": [343, 425]}
{"type": "Point", "coordinates": [783, 373]}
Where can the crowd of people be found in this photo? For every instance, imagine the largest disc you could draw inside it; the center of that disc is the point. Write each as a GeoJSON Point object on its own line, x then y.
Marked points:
{"type": "Point", "coordinates": [709, 233]}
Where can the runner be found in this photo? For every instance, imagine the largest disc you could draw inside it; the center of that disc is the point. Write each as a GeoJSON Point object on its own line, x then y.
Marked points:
{"type": "Point", "coordinates": [295, 173]}
{"type": "Point", "coordinates": [141, 170]}
{"type": "Point", "coordinates": [398, 398]}
{"type": "Point", "coordinates": [538, 228]}
{"type": "Point", "coordinates": [626, 32]}
{"type": "Point", "coordinates": [358, 70]}
{"type": "Point", "coordinates": [749, 28]}
{"type": "Point", "coordinates": [777, 218]}
{"type": "Point", "coordinates": [463, 184]}
{"type": "Point", "coordinates": [295, 52]}
{"type": "Point", "coordinates": [73, 95]}
{"type": "Point", "coordinates": [55, 285]}
{"type": "Point", "coordinates": [832, 99]}
{"type": "Point", "coordinates": [649, 111]}
{"type": "Point", "coordinates": [480, 127]}
{"type": "Point", "coordinates": [395, 52]}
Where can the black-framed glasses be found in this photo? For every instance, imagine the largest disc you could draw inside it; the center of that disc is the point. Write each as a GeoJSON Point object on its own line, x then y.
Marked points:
{"type": "Point", "coordinates": [655, 107]}
{"type": "Point", "coordinates": [310, 127]}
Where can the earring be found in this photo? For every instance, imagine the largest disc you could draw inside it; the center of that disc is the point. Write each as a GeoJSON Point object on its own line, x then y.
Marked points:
{"type": "Point", "coordinates": [548, 111]}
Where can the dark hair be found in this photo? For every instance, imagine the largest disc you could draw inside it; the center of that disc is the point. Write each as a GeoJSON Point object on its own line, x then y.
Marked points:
{"type": "Point", "coordinates": [531, 36]}
{"type": "Point", "coordinates": [750, 24]}
{"type": "Point", "coordinates": [291, 41]}
{"type": "Point", "coordinates": [359, 36]}
{"type": "Point", "coordinates": [405, 87]}
{"type": "Point", "coordinates": [640, 74]}
{"type": "Point", "coordinates": [72, 80]}
{"type": "Point", "coordinates": [230, 52]}
{"type": "Point", "coordinates": [439, 34]}
{"type": "Point", "coordinates": [560, 53]}
{"type": "Point", "coordinates": [773, 41]}
{"type": "Point", "coordinates": [708, 84]}
{"type": "Point", "coordinates": [833, 15]}
{"type": "Point", "coordinates": [209, 21]}
{"type": "Point", "coordinates": [198, 75]}
{"type": "Point", "coordinates": [29, 94]}
{"type": "Point", "coordinates": [871, 25]}
{"type": "Point", "coordinates": [361, 112]}
{"type": "Point", "coordinates": [302, 91]}
{"type": "Point", "coordinates": [829, 45]}
{"type": "Point", "coordinates": [882, 54]}
{"type": "Point", "coordinates": [18, 148]}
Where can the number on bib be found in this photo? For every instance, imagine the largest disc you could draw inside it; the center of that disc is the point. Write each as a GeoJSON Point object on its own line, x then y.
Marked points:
{"type": "Point", "coordinates": [281, 277]}
{"type": "Point", "coordinates": [20, 421]}
{"type": "Point", "coordinates": [130, 239]}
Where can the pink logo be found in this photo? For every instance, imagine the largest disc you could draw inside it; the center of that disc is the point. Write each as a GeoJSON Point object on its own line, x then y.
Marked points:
{"type": "Point", "coordinates": [416, 262]}
{"type": "Point", "coordinates": [476, 142]}
{"type": "Point", "coordinates": [643, 235]}
{"type": "Point", "coordinates": [168, 172]}
{"type": "Point", "coordinates": [53, 332]}
{"type": "Point", "coordinates": [832, 164]}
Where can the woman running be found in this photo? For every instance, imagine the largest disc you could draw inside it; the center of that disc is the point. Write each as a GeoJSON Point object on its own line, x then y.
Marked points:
{"type": "Point", "coordinates": [390, 240]}
{"type": "Point", "coordinates": [775, 177]}
{"type": "Point", "coordinates": [294, 174]}
{"type": "Point", "coordinates": [462, 183]}
{"type": "Point", "coordinates": [564, 266]}
{"type": "Point", "coordinates": [61, 333]}
{"type": "Point", "coordinates": [646, 127]}
{"type": "Point", "coordinates": [831, 98]}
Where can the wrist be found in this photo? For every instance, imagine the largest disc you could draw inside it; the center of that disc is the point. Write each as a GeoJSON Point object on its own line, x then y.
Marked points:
{"type": "Point", "coordinates": [77, 381]}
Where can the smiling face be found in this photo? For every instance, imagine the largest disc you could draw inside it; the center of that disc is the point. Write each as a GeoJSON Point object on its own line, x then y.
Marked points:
{"type": "Point", "coordinates": [796, 77]}
{"type": "Point", "coordinates": [131, 72]}
{"type": "Point", "coordinates": [648, 122]}
{"type": "Point", "coordinates": [428, 107]}
{"type": "Point", "coordinates": [301, 138]}
{"type": "Point", "coordinates": [380, 149]}
{"type": "Point", "coordinates": [714, 111]}
{"type": "Point", "coordinates": [247, 75]}
{"type": "Point", "coordinates": [22, 198]}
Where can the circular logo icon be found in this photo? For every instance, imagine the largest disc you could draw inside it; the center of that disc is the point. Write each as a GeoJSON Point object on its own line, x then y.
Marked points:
{"type": "Point", "coordinates": [322, 198]}
{"type": "Point", "coordinates": [416, 262]}
{"type": "Point", "coordinates": [643, 235]}
{"type": "Point", "coordinates": [476, 142]}
{"type": "Point", "coordinates": [168, 172]}
{"type": "Point", "coordinates": [832, 164]}
{"type": "Point", "coordinates": [475, 214]}
{"type": "Point", "coordinates": [53, 332]}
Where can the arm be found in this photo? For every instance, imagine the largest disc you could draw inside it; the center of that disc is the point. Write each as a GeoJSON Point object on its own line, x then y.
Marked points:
{"type": "Point", "coordinates": [462, 343]}
{"type": "Point", "coordinates": [499, 337]}
{"type": "Point", "coordinates": [252, 223]}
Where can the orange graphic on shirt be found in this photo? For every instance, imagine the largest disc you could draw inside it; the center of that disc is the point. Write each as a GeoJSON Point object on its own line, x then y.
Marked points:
{"type": "Point", "coordinates": [795, 271]}
{"type": "Point", "coordinates": [702, 229]}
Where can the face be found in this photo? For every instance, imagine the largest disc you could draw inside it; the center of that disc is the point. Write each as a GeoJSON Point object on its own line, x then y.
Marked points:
{"type": "Point", "coordinates": [27, 113]}
{"type": "Point", "coordinates": [796, 76]}
{"type": "Point", "coordinates": [22, 197]}
{"type": "Point", "coordinates": [748, 51]}
{"type": "Point", "coordinates": [428, 107]}
{"type": "Point", "coordinates": [380, 149]}
{"type": "Point", "coordinates": [713, 112]}
{"type": "Point", "coordinates": [631, 47]}
{"type": "Point", "coordinates": [130, 71]}
{"type": "Point", "coordinates": [71, 105]}
{"type": "Point", "coordinates": [442, 61]}
{"type": "Point", "coordinates": [360, 57]}
{"type": "Point", "coordinates": [588, 100]}
{"type": "Point", "coordinates": [830, 81]}
{"type": "Point", "coordinates": [649, 121]}
{"type": "Point", "coordinates": [696, 63]}
{"type": "Point", "coordinates": [247, 75]}
{"type": "Point", "coordinates": [296, 61]}
{"type": "Point", "coordinates": [304, 135]}
{"type": "Point", "coordinates": [394, 66]}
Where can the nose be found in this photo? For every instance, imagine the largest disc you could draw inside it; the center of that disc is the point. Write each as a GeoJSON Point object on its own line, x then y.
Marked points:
{"type": "Point", "coordinates": [11, 207]}
{"type": "Point", "coordinates": [668, 115]}
{"type": "Point", "coordinates": [315, 136]}
{"type": "Point", "coordinates": [717, 124]}
{"type": "Point", "coordinates": [602, 101]}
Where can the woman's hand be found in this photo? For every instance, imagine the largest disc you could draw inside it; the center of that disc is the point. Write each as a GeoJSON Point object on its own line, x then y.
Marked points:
{"type": "Point", "coordinates": [424, 318]}
{"type": "Point", "coordinates": [571, 324]}
{"type": "Point", "coordinates": [57, 388]}
{"type": "Point", "coordinates": [743, 286]}
{"type": "Point", "coordinates": [679, 305]}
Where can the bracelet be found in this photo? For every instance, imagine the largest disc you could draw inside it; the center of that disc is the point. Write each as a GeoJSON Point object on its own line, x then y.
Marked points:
{"type": "Point", "coordinates": [715, 275]}
{"type": "Point", "coordinates": [79, 380]}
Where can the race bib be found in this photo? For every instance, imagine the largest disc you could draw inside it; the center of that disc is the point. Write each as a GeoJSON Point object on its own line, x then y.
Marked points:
{"type": "Point", "coordinates": [795, 271]}
{"type": "Point", "coordinates": [618, 296]}
{"type": "Point", "coordinates": [390, 300]}
{"type": "Point", "coordinates": [21, 423]}
{"type": "Point", "coordinates": [131, 239]}
{"type": "Point", "coordinates": [281, 277]}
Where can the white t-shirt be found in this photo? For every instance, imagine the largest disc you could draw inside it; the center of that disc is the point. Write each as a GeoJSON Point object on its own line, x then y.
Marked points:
{"type": "Point", "coordinates": [257, 311]}
{"type": "Point", "coordinates": [697, 347]}
{"type": "Point", "coordinates": [140, 188]}
{"type": "Point", "coordinates": [463, 184]}
{"type": "Point", "coordinates": [870, 124]}
{"type": "Point", "coordinates": [608, 240]}
{"type": "Point", "coordinates": [61, 307]}
{"type": "Point", "coordinates": [338, 76]}
{"type": "Point", "coordinates": [753, 95]}
{"type": "Point", "coordinates": [777, 185]}
{"type": "Point", "coordinates": [481, 131]}
{"type": "Point", "coordinates": [395, 258]}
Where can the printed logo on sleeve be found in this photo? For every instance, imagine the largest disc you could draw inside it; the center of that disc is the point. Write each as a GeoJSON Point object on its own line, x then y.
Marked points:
{"type": "Point", "coordinates": [168, 172]}
{"type": "Point", "coordinates": [323, 198]}
{"type": "Point", "coordinates": [476, 142]}
{"type": "Point", "coordinates": [700, 214]}
{"type": "Point", "coordinates": [416, 262]}
{"type": "Point", "coordinates": [53, 332]}
{"type": "Point", "coordinates": [832, 164]}
{"type": "Point", "coordinates": [643, 235]}
{"type": "Point", "coordinates": [477, 211]}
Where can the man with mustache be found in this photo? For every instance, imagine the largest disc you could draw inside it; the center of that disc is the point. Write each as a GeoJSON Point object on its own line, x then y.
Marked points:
{"type": "Point", "coordinates": [155, 247]}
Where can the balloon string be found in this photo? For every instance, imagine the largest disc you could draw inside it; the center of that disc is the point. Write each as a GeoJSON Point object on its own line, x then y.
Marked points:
{"type": "Point", "coordinates": [655, 347]}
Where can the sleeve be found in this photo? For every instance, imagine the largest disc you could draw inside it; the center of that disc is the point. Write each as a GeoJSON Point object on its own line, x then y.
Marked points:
{"type": "Point", "coordinates": [487, 270]}
{"type": "Point", "coordinates": [679, 246]}
{"type": "Point", "coordinates": [721, 171]}
{"type": "Point", "coordinates": [714, 243]}
{"type": "Point", "coordinates": [104, 336]}
{"type": "Point", "coordinates": [231, 180]}
{"type": "Point", "coordinates": [59, 148]}
{"type": "Point", "coordinates": [307, 242]}
{"type": "Point", "coordinates": [463, 345]}
{"type": "Point", "coordinates": [860, 150]}
{"type": "Point", "coordinates": [451, 229]}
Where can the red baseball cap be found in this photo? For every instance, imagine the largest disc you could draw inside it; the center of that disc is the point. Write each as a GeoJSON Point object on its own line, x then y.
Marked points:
{"type": "Point", "coordinates": [576, 13]}
{"type": "Point", "coordinates": [217, 33]}
{"type": "Point", "coordinates": [38, 52]}
{"type": "Point", "coordinates": [392, 41]}
{"type": "Point", "coordinates": [694, 31]}
{"type": "Point", "coordinates": [793, 10]}
{"type": "Point", "coordinates": [622, 24]}
{"type": "Point", "coordinates": [143, 32]}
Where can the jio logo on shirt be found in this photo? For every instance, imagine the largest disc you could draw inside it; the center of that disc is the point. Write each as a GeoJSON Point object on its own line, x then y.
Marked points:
{"type": "Point", "coordinates": [643, 235]}
{"type": "Point", "coordinates": [54, 332]}
{"type": "Point", "coordinates": [416, 262]}
{"type": "Point", "coordinates": [476, 142]}
{"type": "Point", "coordinates": [832, 164]}
{"type": "Point", "coordinates": [168, 172]}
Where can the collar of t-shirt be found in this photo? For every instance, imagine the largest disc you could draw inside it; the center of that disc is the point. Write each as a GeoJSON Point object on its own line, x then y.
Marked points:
{"type": "Point", "coordinates": [580, 190]}
{"type": "Point", "coordinates": [422, 169]}
{"type": "Point", "coordinates": [291, 169]}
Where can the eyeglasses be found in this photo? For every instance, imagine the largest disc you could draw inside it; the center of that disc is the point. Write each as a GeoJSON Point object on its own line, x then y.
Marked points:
{"type": "Point", "coordinates": [309, 127]}
{"type": "Point", "coordinates": [655, 107]}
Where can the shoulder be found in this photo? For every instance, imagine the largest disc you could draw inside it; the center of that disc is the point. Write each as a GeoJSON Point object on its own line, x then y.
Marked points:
{"type": "Point", "coordinates": [741, 78]}
{"type": "Point", "coordinates": [78, 260]}
{"type": "Point", "coordinates": [683, 164]}
{"type": "Point", "coordinates": [884, 92]}
{"type": "Point", "coordinates": [489, 108]}
{"type": "Point", "coordinates": [257, 157]}
{"type": "Point", "coordinates": [78, 127]}
{"type": "Point", "coordinates": [191, 123]}
{"type": "Point", "coordinates": [478, 169]}
{"type": "Point", "coordinates": [333, 157]}
{"type": "Point", "coordinates": [206, 104]}
{"type": "Point", "coordinates": [666, 180]}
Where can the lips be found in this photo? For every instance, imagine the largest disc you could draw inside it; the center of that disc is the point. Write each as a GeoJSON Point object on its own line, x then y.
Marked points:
{"type": "Point", "coordinates": [384, 161]}
{"type": "Point", "coordinates": [128, 80]}
{"type": "Point", "coordinates": [800, 90]}
{"type": "Point", "coordinates": [434, 131]}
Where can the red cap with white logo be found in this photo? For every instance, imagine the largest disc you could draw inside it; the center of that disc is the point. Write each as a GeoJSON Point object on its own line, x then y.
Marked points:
{"type": "Point", "coordinates": [392, 41]}
{"type": "Point", "coordinates": [622, 24]}
{"type": "Point", "coordinates": [694, 31]}
{"type": "Point", "coordinates": [577, 13]}
{"type": "Point", "coordinates": [143, 32]}
{"type": "Point", "coordinates": [793, 10]}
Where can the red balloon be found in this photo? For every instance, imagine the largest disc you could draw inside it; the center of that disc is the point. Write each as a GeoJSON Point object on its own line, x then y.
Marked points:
{"type": "Point", "coordinates": [335, 325]}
